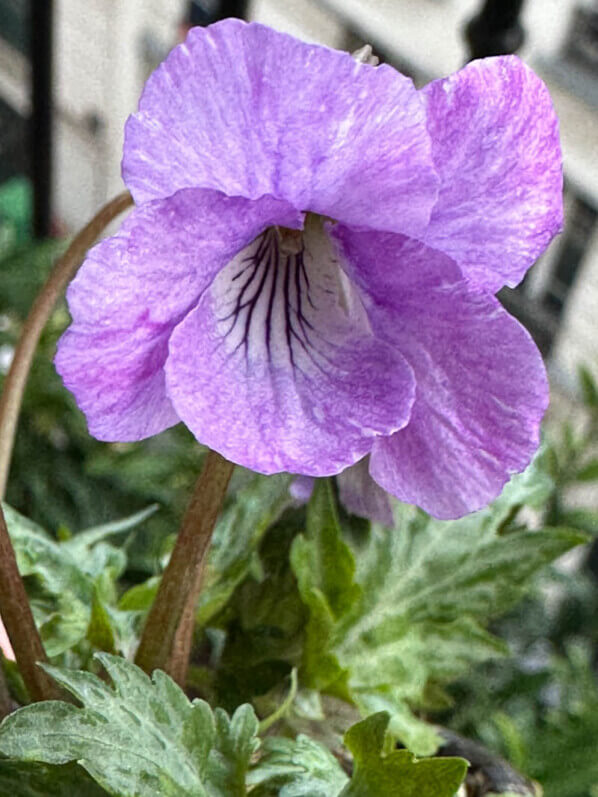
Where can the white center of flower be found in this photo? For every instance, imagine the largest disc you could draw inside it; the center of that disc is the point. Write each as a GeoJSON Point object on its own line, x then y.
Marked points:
{"type": "Point", "coordinates": [285, 299]}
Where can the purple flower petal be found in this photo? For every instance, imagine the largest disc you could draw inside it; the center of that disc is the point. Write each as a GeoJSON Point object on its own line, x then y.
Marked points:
{"type": "Point", "coordinates": [481, 384]}
{"type": "Point", "coordinates": [496, 149]}
{"type": "Point", "coordinates": [301, 488]}
{"type": "Point", "coordinates": [117, 379]}
{"type": "Point", "coordinates": [276, 368]}
{"type": "Point", "coordinates": [358, 493]}
{"type": "Point", "coordinates": [394, 268]}
{"type": "Point", "coordinates": [131, 292]}
{"type": "Point", "coordinates": [249, 111]}
{"type": "Point", "coordinates": [362, 496]}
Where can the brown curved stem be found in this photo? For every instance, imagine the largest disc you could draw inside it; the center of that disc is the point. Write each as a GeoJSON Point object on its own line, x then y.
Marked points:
{"type": "Point", "coordinates": [19, 623]}
{"type": "Point", "coordinates": [178, 663]}
{"type": "Point", "coordinates": [14, 605]}
{"type": "Point", "coordinates": [62, 273]}
{"type": "Point", "coordinates": [167, 635]}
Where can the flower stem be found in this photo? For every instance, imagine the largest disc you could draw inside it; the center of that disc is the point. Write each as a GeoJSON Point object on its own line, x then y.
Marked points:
{"type": "Point", "coordinates": [5, 699]}
{"type": "Point", "coordinates": [166, 639]}
{"type": "Point", "coordinates": [14, 606]}
{"type": "Point", "coordinates": [178, 663]}
{"type": "Point", "coordinates": [19, 623]}
{"type": "Point", "coordinates": [62, 273]}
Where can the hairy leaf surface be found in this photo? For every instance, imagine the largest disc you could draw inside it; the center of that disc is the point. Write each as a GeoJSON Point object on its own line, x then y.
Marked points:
{"type": "Point", "coordinates": [406, 609]}
{"type": "Point", "coordinates": [138, 738]}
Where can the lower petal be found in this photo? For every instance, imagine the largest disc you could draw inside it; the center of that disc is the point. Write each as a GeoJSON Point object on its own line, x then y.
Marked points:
{"type": "Point", "coordinates": [358, 492]}
{"type": "Point", "coordinates": [277, 369]}
{"type": "Point", "coordinates": [481, 385]}
{"type": "Point", "coordinates": [362, 496]}
{"type": "Point", "coordinates": [481, 395]}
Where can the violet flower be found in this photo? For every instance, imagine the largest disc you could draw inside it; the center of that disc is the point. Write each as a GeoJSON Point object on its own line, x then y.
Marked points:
{"type": "Point", "coordinates": [308, 275]}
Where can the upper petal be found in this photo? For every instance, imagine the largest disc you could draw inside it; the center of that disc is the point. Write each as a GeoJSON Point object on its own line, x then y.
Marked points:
{"type": "Point", "coordinates": [496, 148]}
{"type": "Point", "coordinates": [481, 388]}
{"type": "Point", "coordinates": [134, 288]}
{"type": "Point", "coordinates": [250, 111]}
{"type": "Point", "coordinates": [276, 367]}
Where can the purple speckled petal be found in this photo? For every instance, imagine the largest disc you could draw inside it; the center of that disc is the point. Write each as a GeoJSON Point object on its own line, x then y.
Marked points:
{"type": "Point", "coordinates": [496, 148]}
{"type": "Point", "coordinates": [481, 384]}
{"type": "Point", "coordinates": [134, 288]}
{"type": "Point", "coordinates": [250, 111]}
{"type": "Point", "coordinates": [276, 367]}
{"type": "Point", "coordinates": [362, 496]}
{"type": "Point", "coordinates": [117, 379]}
{"type": "Point", "coordinates": [394, 268]}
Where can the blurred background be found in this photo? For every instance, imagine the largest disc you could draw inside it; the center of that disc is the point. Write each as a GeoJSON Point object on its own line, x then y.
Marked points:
{"type": "Point", "coordinates": [71, 73]}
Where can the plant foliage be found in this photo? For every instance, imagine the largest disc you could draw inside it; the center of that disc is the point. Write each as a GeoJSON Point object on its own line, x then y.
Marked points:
{"type": "Point", "coordinates": [142, 737]}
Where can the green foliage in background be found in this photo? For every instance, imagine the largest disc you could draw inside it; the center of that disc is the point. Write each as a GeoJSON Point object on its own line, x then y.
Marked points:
{"type": "Point", "coordinates": [72, 585]}
{"type": "Point", "coordinates": [539, 707]}
{"type": "Point", "coordinates": [143, 737]}
{"type": "Point", "coordinates": [413, 615]}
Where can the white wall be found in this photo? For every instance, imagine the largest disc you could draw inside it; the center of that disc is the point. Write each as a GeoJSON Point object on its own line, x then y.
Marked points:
{"type": "Point", "coordinates": [577, 342]}
{"type": "Point", "coordinates": [100, 71]}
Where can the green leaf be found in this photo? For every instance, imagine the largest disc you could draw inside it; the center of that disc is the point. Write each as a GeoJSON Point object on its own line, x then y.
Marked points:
{"type": "Point", "coordinates": [412, 614]}
{"type": "Point", "coordinates": [297, 767]}
{"type": "Point", "coordinates": [446, 574]}
{"type": "Point", "coordinates": [40, 556]}
{"type": "Point", "coordinates": [321, 560]}
{"type": "Point", "coordinates": [61, 593]}
{"type": "Point", "coordinates": [589, 472]}
{"type": "Point", "coordinates": [141, 737]}
{"type": "Point", "coordinates": [305, 768]}
{"type": "Point", "coordinates": [321, 668]}
{"type": "Point", "coordinates": [100, 632]}
{"type": "Point", "coordinates": [283, 708]}
{"type": "Point", "coordinates": [428, 623]}
{"type": "Point", "coordinates": [532, 488]}
{"type": "Point", "coordinates": [397, 773]}
{"type": "Point", "coordinates": [82, 543]}
{"type": "Point", "coordinates": [325, 569]}
{"type": "Point", "coordinates": [589, 389]}
{"type": "Point", "coordinates": [237, 535]}
{"type": "Point", "coordinates": [62, 622]}
{"type": "Point", "coordinates": [584, 519]}
{"type": "Point", "coordinates": [40, 780]}
{"type": "Point", "coordinates": [140, 597]}
{"type": "Point", "coordinates": [72, 584]}
{"type": "Point", "coordinates": [264, 622]}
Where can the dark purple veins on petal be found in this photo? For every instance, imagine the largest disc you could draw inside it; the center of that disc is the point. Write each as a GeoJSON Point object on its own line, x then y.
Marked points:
{"type": "Point", "coordinates": [278, 278]}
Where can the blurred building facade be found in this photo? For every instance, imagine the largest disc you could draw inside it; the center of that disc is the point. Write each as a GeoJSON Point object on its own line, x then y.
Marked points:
{"type": "Point", "coordinates": [103, 53]}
